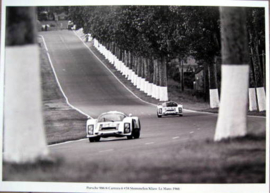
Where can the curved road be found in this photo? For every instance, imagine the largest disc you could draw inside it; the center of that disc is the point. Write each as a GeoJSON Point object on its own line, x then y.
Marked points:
{"type": "Point", "coordinates": [91, 87]}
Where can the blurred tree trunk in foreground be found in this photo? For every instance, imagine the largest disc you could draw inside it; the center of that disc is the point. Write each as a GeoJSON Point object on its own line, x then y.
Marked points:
{"type": "Point", "coordinates": [24, 136]}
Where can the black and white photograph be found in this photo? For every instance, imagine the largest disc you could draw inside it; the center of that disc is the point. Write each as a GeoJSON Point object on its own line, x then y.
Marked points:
{"type": "Point", "coordinates": [124, 97]}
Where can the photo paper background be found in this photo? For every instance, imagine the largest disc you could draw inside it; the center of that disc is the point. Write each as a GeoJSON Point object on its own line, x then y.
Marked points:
{"type": "Point", "coordinates": [114, 187]}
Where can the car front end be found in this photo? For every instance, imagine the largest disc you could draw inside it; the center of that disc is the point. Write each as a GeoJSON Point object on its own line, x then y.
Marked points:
{"type": "Point", "coordinates": [113, 124]}
{"type": "Point", "coordinates": [169, 110]}
{"type": "Point", "coordinates": [109, 129]}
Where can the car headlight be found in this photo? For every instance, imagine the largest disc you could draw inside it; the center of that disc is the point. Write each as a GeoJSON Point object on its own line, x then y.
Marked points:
{"type": "Point", "coordinates": [90, 129]}
{"type": "Point", "coordinates": [126, 128]}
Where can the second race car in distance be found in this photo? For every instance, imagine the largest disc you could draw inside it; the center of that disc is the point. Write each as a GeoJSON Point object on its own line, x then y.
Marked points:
{"type": "Point", "coordinates": [113, 124]}
{"type": "Point", "coordinates": [169, 108]}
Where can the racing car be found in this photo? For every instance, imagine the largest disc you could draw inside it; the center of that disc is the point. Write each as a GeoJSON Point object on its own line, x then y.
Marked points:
{"type": "Point", "coordinates": [70, 25]}
{"type": "Point", "coordinates": [113, 124]}
{"type": "Point", "coordinates": [169, 108]}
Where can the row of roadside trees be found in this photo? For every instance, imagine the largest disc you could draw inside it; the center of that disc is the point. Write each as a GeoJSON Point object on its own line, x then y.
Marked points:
{"type": "Point", "coordinates": [147, 38]}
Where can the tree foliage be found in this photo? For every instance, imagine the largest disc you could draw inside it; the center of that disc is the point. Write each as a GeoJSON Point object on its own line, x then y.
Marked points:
{"type": "Point", "coordinates": [170, 31]}
{"type": "Point", "coordinates": [165, 31]}
{"type": "Point", "coordinates": [144, 30]}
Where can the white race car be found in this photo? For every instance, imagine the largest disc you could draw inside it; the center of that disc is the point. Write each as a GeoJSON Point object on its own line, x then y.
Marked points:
{"type": "Point", "coordinates": [70, 25]}
{"type": "Point", "coordinates": [113, 123]}
{"type": "Point", "coordinates": [169, 108]}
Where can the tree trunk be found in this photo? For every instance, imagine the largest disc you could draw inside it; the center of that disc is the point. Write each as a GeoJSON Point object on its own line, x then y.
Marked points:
{"type": "Point", "coordinates": [232, 119]}
{"type": "Point", "coordinates": [150, 75]}
{"type": "Point", "coordinates": [130, 60]}
{"type": "Point", "coordinates": [181, 74]}
{"type": "Point", "coordinates": [160, 63]}
{"type": "Point", "coordinates": [155, 79]}
{"type": "Point", "coordinates": [258, 72]}
{"type": "Point", "coordinates": [113, 49]}
{"type": "Point", "coordinates": [252, 85]}
{"type": "Point", "coordinates": [144, 74]}
{"type": "Point", "coordinates": [24, 136]}
{"type": "Point", "coordinates": [132, 64]}
{"type": "Point", "coordinates": [264, 69]}
{"type": "Point", "coordinates": [139, 72]}
{"type": "Point", "coordinates": [213, 89]}
{"type": "Point", "coordinates": [110, 52]}
{"type": "Point", "coordinates": [163, 80]}
{"type": "Point", "coordinates": [124, 58]}
{"type": "Point", "coordinates": [205, 82]}
{"type": "Point", "coordinates": [122, 65]}
{"type": "Point", "coordinates": [260, 89]}
{"type": "Point", "coordinates": [135, 66]}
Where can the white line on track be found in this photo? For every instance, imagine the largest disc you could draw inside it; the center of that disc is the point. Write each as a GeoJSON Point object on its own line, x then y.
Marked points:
{"type": "Point", "coordinates": [176, 137]}
{"type": "Point", "coordinates": [57, 144]}
{"type": "Point", "coordinates": [105, 150]}
{"type": "Point", "coordinates": [149, 143]}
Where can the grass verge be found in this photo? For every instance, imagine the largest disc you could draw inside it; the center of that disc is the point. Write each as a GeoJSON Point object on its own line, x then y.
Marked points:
{"type": "Point", "coordinates": [232, 161]}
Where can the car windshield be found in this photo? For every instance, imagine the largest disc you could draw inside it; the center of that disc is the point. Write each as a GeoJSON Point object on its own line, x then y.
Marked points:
{"type": "Point", "coordinates": [170, 104]}
{"type": "Point", "coordinates": [111, 117]}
